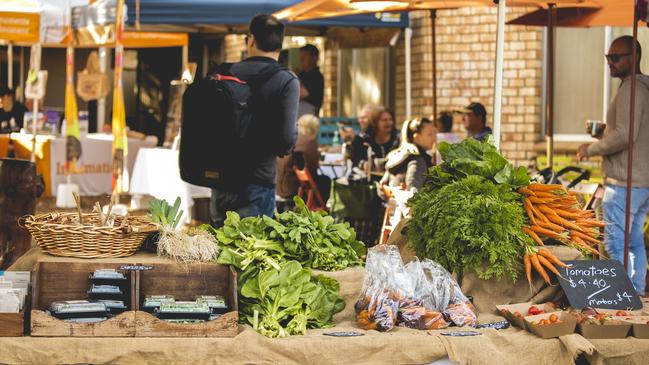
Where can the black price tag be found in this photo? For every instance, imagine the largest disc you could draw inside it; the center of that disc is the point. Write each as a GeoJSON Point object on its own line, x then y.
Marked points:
{"type": "Point", "coordinates": [461, 334]}
{"type": "Point", "coordinates": [343, 334]}
{"type": "Point", "coordinates": [135, 267]}
{"type": "Point", "coordinates": [598, 284]}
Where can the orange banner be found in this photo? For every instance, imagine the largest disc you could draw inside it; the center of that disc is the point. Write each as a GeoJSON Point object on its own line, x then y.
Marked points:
{"type": "Point", "coordinates": [19, 27]}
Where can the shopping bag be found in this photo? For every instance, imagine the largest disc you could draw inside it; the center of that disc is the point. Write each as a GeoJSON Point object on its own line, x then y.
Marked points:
{"type": "Point", "coordinates": [91, 83]}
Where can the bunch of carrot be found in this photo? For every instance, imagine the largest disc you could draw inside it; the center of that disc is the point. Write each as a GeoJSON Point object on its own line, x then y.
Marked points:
{"type": "Point", "coordinates": [541, 260]}
{"type": "Point", "coordinates": [554, 212]}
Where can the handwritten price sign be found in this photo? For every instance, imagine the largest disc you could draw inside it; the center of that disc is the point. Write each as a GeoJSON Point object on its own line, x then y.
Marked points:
{"type": "Point", "coordinates": [598, 284]}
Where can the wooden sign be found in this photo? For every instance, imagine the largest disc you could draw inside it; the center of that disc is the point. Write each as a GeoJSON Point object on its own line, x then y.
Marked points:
{"type": "Point", "coordinates": [598, 284]}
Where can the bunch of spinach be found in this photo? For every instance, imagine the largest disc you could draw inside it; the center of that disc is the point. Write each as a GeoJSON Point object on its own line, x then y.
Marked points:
{"type": "Point", "coordinates": [287, 301]}
{"type": "Point", "coordinates": [278, 295]}
{"type": "Point", "coordinates": [468, 216]}
{"type": "Point", "coordinates": [315, 240]}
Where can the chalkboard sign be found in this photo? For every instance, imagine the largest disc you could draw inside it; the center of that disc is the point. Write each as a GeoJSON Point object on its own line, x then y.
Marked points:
{"type": "Point", "coordinates": [598, 284]}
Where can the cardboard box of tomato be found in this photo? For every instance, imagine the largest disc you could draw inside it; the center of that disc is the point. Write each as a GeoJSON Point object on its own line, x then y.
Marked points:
{"type": "Point", "coordinates": [551, 325]}
{"type": "Point", "coordinates": [639, 326]}
{"type": "Point", "coordinates": [516, 313]}
{"type": "Point", "coordinates": [601, 325]}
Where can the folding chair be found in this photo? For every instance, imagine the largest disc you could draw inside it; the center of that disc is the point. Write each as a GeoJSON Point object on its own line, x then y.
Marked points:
{"type": "Point", "coordinates": [309, 190]}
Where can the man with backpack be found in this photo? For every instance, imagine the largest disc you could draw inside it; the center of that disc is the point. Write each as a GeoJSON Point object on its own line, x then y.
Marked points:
{"type": "Point", "coordinates": [240, 122]}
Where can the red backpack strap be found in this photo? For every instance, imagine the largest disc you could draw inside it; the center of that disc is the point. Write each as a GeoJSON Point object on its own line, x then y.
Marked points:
{"type": "Point", "coordinates": [220, 77]}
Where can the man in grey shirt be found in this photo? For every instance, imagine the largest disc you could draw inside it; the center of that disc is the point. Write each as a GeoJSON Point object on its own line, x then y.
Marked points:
{"type": "Point", "coordinates": [613, 149]}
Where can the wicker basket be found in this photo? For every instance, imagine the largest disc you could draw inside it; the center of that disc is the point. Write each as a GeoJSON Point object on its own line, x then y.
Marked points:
{"type": "Point", "coordinates": [60, 234]}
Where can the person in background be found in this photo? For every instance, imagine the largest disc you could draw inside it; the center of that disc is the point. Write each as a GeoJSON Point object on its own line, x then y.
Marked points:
{"type": "Point", "coordinates": [286, 183]}
{"type": "Point", "coordinates": [367, 113]}
{"type": "Point", "coordinates": [381, 137]}
{"type": "Point", "coordinates": [311, 80]}
{"type": "Point", "coordinates": [12, 113]}
{"type": "Point", "coordinates": [474, 118]}
{"type": "Point", "coordinates": [407, 165]}
{"type": "Point", "coordinates": [613, 147]}
{"type": "Point", "coordinates": [272, 131]}
{"type": "Point", "coordinates": [444, 126]}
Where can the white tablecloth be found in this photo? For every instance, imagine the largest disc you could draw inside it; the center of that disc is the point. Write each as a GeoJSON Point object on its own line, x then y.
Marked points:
{"type": "Point", "coordinates": [156, 173]}
{"type": "Point", "coordinates": [95, 164]}
{"type": "Point", "coordinates": [332, 165]}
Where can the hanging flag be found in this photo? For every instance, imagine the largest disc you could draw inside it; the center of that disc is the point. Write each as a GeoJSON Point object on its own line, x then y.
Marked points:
{"type": "Point", "coordinates": [119, 117]}
{"type": "Point", "coordinates": [73, 139]}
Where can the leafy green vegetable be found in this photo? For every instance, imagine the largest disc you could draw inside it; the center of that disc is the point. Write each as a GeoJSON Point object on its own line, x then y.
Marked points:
{"type": "Point", "coordinates": [468, 216]}
{"type": "Point", "coordinates": [279, 297]}
{"type": "Point", "coordinates": [472, 157]}
{"type": "Point", "coordinates": [469, 225]}
{"type": "Point", "coordinates": [288, 300]}
{"type": "Point", "coordinates": [164, 214]}
{"type": "Point", "coordinates": [315, 240]}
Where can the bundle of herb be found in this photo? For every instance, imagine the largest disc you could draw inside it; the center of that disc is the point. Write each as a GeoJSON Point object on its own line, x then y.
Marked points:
{"type": "Point", "coordinates": [315, 240]}
{"type": "Point", "coordinates": [468, 216]}
{"type": "Point", "coordinates": [287, 301]}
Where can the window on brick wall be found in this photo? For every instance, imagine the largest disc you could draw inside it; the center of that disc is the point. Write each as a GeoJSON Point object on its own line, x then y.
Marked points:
{"type": "Point", "coordinates": [583, 86]}
{"type": "Point", "coordinates": [364, 79]}
{"type": "Point", "coordinates": [578, 80]}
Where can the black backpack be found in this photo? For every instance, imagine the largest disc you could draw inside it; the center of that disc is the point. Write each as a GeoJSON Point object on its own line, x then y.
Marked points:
{"type": "Point", "coordinates": [217, 115]}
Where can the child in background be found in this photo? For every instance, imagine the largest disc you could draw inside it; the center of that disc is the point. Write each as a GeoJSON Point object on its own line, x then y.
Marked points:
{"type": "Point", "coordinates": [407, 165]}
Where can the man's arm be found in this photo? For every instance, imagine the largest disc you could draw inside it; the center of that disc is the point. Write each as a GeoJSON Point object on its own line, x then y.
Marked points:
{"type": "Point", "coordinates": [288, 117]}
{"type": "Point", "coordinates": [617, 139]}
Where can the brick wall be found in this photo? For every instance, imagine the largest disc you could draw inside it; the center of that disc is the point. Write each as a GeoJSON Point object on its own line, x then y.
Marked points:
{"type": "Point", "coordinates": [233, 47]}
{"type": "Point", "coordinates": [466, 43]}
{"type": "Point", "coordinates": [330, 72]}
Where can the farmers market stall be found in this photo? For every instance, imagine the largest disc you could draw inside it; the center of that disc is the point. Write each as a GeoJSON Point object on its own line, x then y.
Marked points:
{"type": "Point", "coordinates": [402, 345]}
{"type": "Point", "coordinates": [291, 288]}
{"type": "Point", "coordinates": [95, 162]}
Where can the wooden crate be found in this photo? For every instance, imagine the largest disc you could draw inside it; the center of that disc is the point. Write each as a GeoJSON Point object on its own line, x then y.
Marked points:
{"type": "Point", "coordinates": [12, 324]}
{"type": "Point", "coordinates": [59, 281]}
{"type": "Point", "coordinates": [186, 282]}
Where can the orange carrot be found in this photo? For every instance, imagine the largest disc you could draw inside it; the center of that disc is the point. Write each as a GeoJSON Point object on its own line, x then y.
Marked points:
{"type": "Point", "coordinates": [536, 200]}
{"type": "Point", "coordinates": [526, 191]}
{"type": "Point", "coordinates": [573, 193]}
{"type": "Point", "coordinates": [564, 222]}
{"type": "Point", "coordinates": [580, 243]}
{"type": "Point", "coordinates": [528, 268]}
{"type": "Point", "coordinates": [545, 194]}
{"type": "Point", "coordinates": [547, 232]}
{"type": "Point", "coordinates": [537, 265]}
{"type": "Point", "coordinates": [548, 255]}
{"type": "Point", "coordinates": [555, 227]}
{"type": "Point", "coordinates": [567, 214]}
{"type": "Point", "coordinates": [534, 236]}
{"type": "Point", "coordinates": [591, 223]}
{"type": "Point", "coordinates": [585, 237]}
{"type": "Point", "coordinates": [548, 265]}
{"type": "Point", "coordinates": [545, 187]}
{"type": "Point", "coordinates": [529, 210]}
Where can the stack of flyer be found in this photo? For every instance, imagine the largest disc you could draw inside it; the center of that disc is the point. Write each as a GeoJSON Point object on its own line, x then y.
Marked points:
{"type": "Point", "coordinates": [14, 286]}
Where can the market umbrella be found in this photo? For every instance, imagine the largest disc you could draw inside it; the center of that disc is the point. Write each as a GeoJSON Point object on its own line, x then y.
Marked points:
{"type": "Point", "coordinates": [310, 9]}
{"type": "Point", "coordinates": [616, 13]}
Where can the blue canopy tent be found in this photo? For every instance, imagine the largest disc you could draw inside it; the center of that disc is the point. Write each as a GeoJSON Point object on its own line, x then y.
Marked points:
{"type": "Point", "coordinates": [239, 12]}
